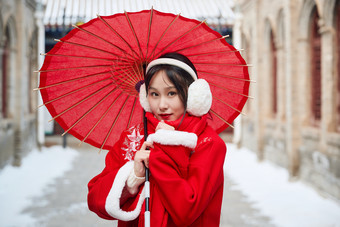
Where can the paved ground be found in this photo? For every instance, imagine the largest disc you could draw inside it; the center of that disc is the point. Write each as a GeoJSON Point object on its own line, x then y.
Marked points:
{"type": "Point", "coordinates": [63, 203]}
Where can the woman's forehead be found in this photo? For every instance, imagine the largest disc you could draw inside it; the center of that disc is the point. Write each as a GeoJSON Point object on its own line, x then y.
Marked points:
{"type": "Point", "coordinates": [161, 79]}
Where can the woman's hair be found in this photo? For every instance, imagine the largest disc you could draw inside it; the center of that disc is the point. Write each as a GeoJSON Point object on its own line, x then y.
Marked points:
{"type": "Point", "coordinates": [178, 76]}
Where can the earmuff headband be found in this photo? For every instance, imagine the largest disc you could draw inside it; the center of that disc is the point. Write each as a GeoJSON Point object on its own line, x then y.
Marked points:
{"type": "Point", "coordinates": [174, 62]}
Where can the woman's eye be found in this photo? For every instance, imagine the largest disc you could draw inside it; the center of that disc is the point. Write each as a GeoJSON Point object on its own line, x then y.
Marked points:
{"type": "Point", "coordinates": [154, 94]}
{"type": "Point", "coordinates": [172, 93]}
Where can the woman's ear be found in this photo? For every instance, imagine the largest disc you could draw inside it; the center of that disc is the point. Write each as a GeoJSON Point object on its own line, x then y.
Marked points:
{"type": "Point", "coordinates": [143, 99]}
{"type": "Point", "coordinates": [199, 98]}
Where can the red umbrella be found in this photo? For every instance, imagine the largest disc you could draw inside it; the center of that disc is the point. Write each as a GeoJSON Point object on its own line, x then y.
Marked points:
{"type": "Point", "coordinates": [88, 79]}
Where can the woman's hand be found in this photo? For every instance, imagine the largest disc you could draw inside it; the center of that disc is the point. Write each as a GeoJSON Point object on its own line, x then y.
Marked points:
{"type": "Point", "coordinates": [163, 125]}
{"type": "Point", "coordinates": [142, 159]}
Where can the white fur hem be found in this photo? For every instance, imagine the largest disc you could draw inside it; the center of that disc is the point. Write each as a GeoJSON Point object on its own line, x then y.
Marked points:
{"type": "Point", "coordinates": [112, 204]}
{"type": "Point", "coordinates": [170, 137]}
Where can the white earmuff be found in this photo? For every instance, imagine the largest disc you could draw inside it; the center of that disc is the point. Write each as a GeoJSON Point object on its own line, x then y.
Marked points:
{"type": "Point", "coordinates": [143, 99]}
{"type": "Point", "coordinates": [199, 98]}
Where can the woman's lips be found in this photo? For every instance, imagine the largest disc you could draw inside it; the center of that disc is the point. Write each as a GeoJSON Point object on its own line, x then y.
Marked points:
{"type": "Point", "coordinates": [165, 116]}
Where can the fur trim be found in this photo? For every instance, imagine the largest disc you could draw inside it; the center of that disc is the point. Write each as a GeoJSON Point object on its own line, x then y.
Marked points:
{"type": "Point", "coordinates": [170, 137]}
{"type": "Point", "coordinates": [143, 99]}
{"type": "Point", "coordinates": [112, 204]}
{"type": "Point", "coordinates": [199, 98]}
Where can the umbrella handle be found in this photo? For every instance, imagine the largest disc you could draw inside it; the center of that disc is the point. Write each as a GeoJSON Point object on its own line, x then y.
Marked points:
{"type": "Point", "coordinates": [147, 182]}
{"type": "Point", "coordinates": [147, 198]}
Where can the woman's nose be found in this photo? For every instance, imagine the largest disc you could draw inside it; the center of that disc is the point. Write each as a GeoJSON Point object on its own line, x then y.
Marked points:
{"type": "Point", "coordinates": [163, 104]}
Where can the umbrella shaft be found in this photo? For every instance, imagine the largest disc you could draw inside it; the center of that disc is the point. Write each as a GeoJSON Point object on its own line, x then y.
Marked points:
{"type": "Point", "coordinates": [147, 208]}
{"type": "Point", "coordinates": [147, 190]}
{"type": "Point", "coordinates": [147, 198]}
{"type": "Point", "coordinates": [146, 174]}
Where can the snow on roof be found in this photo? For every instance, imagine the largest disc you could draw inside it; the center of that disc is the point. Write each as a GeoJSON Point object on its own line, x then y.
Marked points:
{"type": "Point", "coordinates": [68, 12]}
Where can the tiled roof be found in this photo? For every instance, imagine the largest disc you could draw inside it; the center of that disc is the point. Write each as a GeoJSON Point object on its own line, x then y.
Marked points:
{"type": "Point", "coordinates": [68, 12]}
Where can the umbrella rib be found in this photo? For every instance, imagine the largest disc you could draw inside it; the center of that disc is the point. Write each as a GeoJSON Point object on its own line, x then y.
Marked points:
{"type": "Point", "coordinates": [122, 84]}
{"type": "Point", "coordinates": [80, 67]}
{"type": "Point", "coordinates": [214, 52]}
{"type": "Point", "coordinates": [235, 92]}
{"type": "Point", "coordinates": [127, 76]}
{"type": "Point", "coordinates": [134, 34]}
{"type": "Point", "coordinates": [149, 31]}
{"type": "Point", "coordinates": [113, 124]}
{"type": "Point", "coordinates": [230, 106]}
{"type": "Point", "coordinates": [199, 44]}
{"type": "Point", "coordinates": [101, 118]}
{"type": "Point", "coordinates": [128, 89]}
{"type": "Point", "coordinates": [89, 47]}
{"type": "Point", "coordinates": [217, 115]}
{"type": "Point", "coordinates": [82, 117]}
{"type": "Point", "coordinates": [92, 34]}
{"type": "Point", "coordinates": [165, 31]}
{"type": "Point", "coordinates": [71, 92]}
{"type": "Point", "coordinates": [179, 37]}
{"type": "Point", "coordinates": [119, 36]}
{"type": "Point", "coordinates": [71, 107]}
{"type": "Point", "coordinates": [140, 73]}
{"type": "Point", "coordinates": [126, 68]}
{"type": "Point", "coordinates": [74, 56]}
{"type": "Point", "coordinates": [137, 78]}
{"type": "Point", "coordinates": [226, 76]}
{"type": "Point", "coordinates": [226, 64]}
{"type": "Point", "coordinates": [72, 80]}
{"type": "Point", "coordinates": [132, 111]}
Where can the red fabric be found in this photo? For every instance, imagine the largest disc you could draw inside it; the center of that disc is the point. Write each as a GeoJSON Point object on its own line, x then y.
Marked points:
{"type": "Point", "coordinates": [87, 81]}
{"type": "Point", "coordinates": [186, 188]}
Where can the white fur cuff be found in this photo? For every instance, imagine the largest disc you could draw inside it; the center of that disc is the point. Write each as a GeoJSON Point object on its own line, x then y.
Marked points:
{"type": "Point", "coordinates": [112, 204]}
{"type": "Point", "coordinates": [170, 137]}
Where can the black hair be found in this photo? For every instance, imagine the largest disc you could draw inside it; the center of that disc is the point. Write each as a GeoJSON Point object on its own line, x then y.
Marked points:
{"type": "Point", "coordinates": [178, 76]}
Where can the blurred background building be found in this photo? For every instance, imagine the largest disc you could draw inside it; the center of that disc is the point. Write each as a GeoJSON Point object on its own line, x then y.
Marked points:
{"type": "Point", "coordinates": [293, 45]}
{"type": "Point", "coordinates": [18, 59]}
{"type": "Point", "coordinates": [294, 119]}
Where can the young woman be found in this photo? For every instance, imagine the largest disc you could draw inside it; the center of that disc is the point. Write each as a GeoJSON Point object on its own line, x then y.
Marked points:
{"type": "Point", "coordinates": [185, 155]}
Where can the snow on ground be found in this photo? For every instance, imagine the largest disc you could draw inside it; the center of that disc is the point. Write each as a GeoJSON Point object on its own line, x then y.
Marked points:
{"type": "Point", "coordinates": [19, 184]}
{"type": "Point", "coordinates": [287, 203]}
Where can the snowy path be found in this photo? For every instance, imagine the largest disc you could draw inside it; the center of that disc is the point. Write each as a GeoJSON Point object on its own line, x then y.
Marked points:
{"type": "Point", "coordinates": [287, 203]}
{"type": "Point", "coordinates": [256, 193]}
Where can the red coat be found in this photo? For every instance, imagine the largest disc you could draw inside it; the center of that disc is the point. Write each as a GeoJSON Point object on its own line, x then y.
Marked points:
{"type": "Point", "coordinates": [186, 182]}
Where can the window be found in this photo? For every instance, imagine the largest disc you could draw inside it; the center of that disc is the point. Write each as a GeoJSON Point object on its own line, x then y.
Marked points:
{"type": "Point", "coordinates": [5, 56]}
{"type": "Point", "coordinates": [32, 81]}
{"type": "Point", "coordinates": [337, 36]}
{"type": "Point", "coordinates": [315, 45]}
{"type": "Point", "coordinates": [273, 72]}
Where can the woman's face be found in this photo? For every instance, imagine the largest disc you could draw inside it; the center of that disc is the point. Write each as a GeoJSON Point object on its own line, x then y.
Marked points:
{"type": "Point", "coordinates": [163, 98]}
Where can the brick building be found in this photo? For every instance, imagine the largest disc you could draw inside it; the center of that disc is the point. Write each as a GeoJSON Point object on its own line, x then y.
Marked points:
{"type": "Point", "coordinates": [294, 118]}
{"type": "Point", "coordinates": [18, 60]}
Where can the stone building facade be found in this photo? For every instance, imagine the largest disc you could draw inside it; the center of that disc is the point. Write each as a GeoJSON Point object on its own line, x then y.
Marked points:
{"type": "Point", "coordinates": [294, 118]}
{"type": "Point", "coordinates": [18, 60]}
